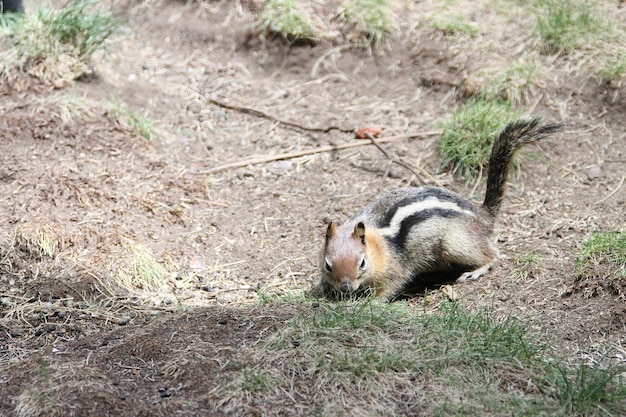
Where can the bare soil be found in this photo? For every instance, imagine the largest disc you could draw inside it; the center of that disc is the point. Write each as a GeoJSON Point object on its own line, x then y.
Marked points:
{"type": "Point", "coordinates": [72, 344]}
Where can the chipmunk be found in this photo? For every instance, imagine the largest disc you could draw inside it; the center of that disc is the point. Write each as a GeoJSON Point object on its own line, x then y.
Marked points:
{"type": "Point", "coordinates": [413, 231]}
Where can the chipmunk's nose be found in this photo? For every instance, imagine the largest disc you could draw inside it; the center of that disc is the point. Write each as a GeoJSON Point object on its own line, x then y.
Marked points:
{"type": "Point", "coordinates": [345, 286]}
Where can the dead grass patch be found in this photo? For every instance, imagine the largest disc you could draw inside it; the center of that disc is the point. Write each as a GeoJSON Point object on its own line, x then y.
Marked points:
{"type": "Point", "coordinates": [52, 46]}
{"type": "Point", "coordinates": [38, 240]}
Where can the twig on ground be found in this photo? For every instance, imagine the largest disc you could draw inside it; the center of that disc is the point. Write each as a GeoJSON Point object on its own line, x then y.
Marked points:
{"type": "Point", "coordinates": [330, 148]}
{"type": "Point", "coordinates": [260, 113]}
{"type": "Point", "coordinates": [611, 193]}
{"type": "Point", "coordinates": [410, 167]}
{"type": "Point", "coordinates": [331, 51]}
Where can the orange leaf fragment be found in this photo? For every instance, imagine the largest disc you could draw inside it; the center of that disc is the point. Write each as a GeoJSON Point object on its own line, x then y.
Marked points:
{"type": "Point", "coordinates": [362, 132]}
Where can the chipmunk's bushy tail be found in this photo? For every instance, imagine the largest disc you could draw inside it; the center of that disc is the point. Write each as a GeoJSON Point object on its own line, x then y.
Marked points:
{"type": "Point", "coordinates": [513, 137]}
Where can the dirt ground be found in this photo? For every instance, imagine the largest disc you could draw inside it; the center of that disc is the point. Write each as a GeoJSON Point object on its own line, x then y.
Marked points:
{"type": "Point", "coordinates": [94, 188]}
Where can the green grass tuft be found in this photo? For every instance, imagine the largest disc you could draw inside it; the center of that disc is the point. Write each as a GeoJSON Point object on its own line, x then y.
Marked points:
{"type": "Point", "coordinates": [77, 25]}
{"type": "Point", "coordinates": [517, 83]}
{"type": "Point", "coordinates": [52, 44]}
{"type": "Point", "coordinates": [527, 259]}
{"type": "Point", "coordinates": [455, 26]}
{"type": "Point", "coordinates": [468, 135]}
{"type": "Point", "coordinates": [285, 18]}
{"type": "Point", "coordinates": [589, 389]}
{"type": "Point", "coordinates": [374, 17]}
{"type": "Point", "coordinates": [254, 380]}
{"type": "Point", "coordinates": [128, 118]}
{"type": "Point", "coordinates": [570, 24]}
{"type": "Point", "coordinates": [604, 248]}
{"type": "Point", "coordinates": [613, 68]}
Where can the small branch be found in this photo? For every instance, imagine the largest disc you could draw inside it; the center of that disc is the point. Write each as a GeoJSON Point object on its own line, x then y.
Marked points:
{"type": "Point", "coordinates": [291, 155]}
{"type": "Point", "coordinates": [260, 113]}
{"type": "Point", "coordinates": [410, 167]}
{"type": "Point", "coordinates": [331, 51]}
{"type": "Point", "coordinates": [611, 193]}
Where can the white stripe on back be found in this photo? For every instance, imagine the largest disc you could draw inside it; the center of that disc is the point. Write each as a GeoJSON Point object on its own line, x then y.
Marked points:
{"type": "Point", "coordinates": [406, 211]}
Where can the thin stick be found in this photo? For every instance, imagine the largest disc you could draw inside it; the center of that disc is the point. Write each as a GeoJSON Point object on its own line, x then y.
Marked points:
{"type": "Point", "coordinates": [319, 60]}
{"type": "Point", "coordinates": [611, 193]}
{"type": "Point", "coordinates": [331, 148]}
{"type": "Point", "coordinates": [260, 113]}
{"type": "Point", "coordinates": [402, 163]}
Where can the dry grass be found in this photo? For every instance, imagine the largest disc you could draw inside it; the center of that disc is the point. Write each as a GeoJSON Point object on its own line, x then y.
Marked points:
{"type": "Point", "coordinates": [38, 240]}
{"type": "Point", "coordinates": [54, 46]}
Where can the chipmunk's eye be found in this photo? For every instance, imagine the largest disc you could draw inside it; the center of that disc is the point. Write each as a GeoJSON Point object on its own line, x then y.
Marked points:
{"type": "Point", "coordinates": [363, 264]}
{"type": "Point", "coordinates": [327, 267]}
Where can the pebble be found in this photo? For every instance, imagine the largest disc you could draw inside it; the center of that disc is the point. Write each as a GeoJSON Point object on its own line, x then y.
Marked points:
{"type": "Point", "coordinates": [594, 171]}
{"type": "Point", "coordinates": [281, 168]}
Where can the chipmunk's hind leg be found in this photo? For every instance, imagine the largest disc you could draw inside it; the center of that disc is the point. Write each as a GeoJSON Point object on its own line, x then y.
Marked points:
{"type": "Point", "coordinates": [469, 252]}
{"type": "Point", "coordinates": [477, 273]}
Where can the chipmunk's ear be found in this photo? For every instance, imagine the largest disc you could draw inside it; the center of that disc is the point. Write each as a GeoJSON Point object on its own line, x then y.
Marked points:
{"type": "Point", "coordinates": [330, 231]}
{"type": "Point", "coordinates": [359, 232]}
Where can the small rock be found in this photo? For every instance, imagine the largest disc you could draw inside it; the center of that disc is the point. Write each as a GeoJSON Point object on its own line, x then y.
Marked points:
{"type": "Point", "coordinates": [281, 167]}
{"type": "Point", "coordinates": [196, 263]}
{"type": "Point", "coordinates": [123, 320]}
{"type": "Point", "coordinates": [222, 321]}
{"type": "Point", "coordinates": [594, 172]}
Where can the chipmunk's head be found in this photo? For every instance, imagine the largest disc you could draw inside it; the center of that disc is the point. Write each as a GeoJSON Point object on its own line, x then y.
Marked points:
{"type": "Point", "coordinates": [344, 264]}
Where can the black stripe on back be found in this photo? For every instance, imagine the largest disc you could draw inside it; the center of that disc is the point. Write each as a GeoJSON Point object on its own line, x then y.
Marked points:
{"type": "Point", "coordinates": [399, 240]}
{"type": "Point", "coordinates": [425, 194]}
